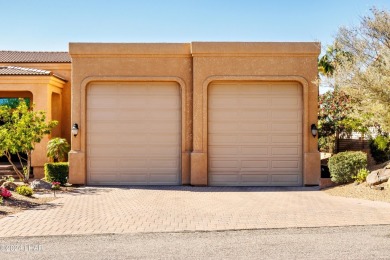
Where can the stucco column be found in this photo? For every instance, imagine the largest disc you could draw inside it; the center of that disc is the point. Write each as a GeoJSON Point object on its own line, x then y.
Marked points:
{"type": "Point", "coordinates": [199, 154]}
{"type": "Point", "coordinates": [312, 158]}
{"type": "Point", "coordinates": [77, 155]}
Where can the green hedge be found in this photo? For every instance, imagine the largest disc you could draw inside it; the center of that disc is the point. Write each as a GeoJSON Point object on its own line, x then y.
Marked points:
{"type": "Point", "coordinates": [57, 172]}
{"type": "Point", "coordinates": [344, 166]}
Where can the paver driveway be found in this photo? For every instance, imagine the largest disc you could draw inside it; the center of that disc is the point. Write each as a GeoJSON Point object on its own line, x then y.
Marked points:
{"type": "Point", "coordinates": [94, 210]}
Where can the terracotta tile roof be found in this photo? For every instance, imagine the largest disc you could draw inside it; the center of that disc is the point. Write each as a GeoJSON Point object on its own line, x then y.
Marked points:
{"type": "Point", "coordinates": [34, 57]}
{"type": "Point", "coordinates": [11, 70]}
{"type": "Point", "coordinates": [19, 71]}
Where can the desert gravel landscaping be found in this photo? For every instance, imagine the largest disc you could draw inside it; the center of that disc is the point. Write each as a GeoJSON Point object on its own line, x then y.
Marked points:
{"type": "Point", "coordinates": [361, 191]}
{"type": "Point", "coordinates": [17, 203]}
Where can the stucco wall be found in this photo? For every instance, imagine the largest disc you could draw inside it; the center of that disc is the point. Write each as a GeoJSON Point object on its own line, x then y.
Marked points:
{"type": "Point", "coordinates": [94, 62]}
{"type": "Point", "coordinates": [255, 62]}
{"type": "Point", "coordinates": [194, 66]}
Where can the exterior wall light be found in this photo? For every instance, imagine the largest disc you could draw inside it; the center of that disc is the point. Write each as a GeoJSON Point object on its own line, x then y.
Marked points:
{"type": "Point", "coordinates": [75, 130]}
{"type": "Point", "coordinates": [314, 130]}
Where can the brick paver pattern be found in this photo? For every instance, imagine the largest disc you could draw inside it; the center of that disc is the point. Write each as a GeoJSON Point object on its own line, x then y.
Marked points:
{"type": "Point", "coordinates": [99, 210]}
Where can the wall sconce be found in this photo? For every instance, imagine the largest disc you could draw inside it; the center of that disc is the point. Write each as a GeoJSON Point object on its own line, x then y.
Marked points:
{"type": "Point", "coordinates": [75, 130]}
{"type": "Point", "coordinates": [314, 130]}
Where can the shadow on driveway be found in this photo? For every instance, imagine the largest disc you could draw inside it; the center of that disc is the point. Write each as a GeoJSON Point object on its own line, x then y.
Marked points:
{"type": "Point", "coordinates": [97, 190]}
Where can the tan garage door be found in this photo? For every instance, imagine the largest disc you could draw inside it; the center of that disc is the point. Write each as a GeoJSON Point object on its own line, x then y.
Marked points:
{"type": "Point", "coordinates": [133, 134]}
{"type": "Point", "coordinates": [255, 134]}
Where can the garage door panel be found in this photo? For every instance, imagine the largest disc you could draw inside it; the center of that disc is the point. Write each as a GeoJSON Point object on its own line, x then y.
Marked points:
{"type": "Point", "coordinates": [105, 150]}
{"type": "Point", "coordinates": [229, 139]}
{"type": "Point", "coordinates": [101, 163]}
{"type": "Point", "coordinates": [101, 102]}
{"type": "Point", "coordinates": [218, 114]}
{"type": "Point", "coordinates": [165, 179]}
{"type": "Point", "coordinates": [127, 163]}
{"type": "Point", "coordinates": [286, 151]}
{"type": "Point", "coordinates": [133, 133]}
{"type": "Point", "coordinates": [286, 139]}
{"type": "Point", "coordinates": [288, 165]}
{"type": "Point", "coordinates": [168, 126]}
{"type": "Point", "coordinates": [102, 114]}
{"type": "Point", "coordinates": [287, 127]}
{"type": "Point", "coordinates": [225, 150]}
{"type": "Point", "coordinates": [169, 163]}
{"type": "Point", "coordinates": [223, 177]}
{"type": "Point", "coordinates": [283, 89]}
{"type": "Point", "coordinates": [252, 127]}
{"type": "Point", "coordinates": [253, 179]}
{"type": "Point", "coordinates": [224, 138]}
{"type": "Point", "coordinates": [140, 179]}
{"type": "Point", "coordinates": [254, 133]}
{"type": "Point", "coordinates": [160, 102]}
{"type": "Point", "coordinates": [170, 114]}
{"type": "Point", "coordinates": [254, 114]}
{"type": "Point", "coordinates": [285, 178]}
{"type": "Point", "coordinates": [284, 102]}
{"type": "Point", "coordinates": [226, 164]}
{"type": "Point", "coordinates": [254, 150]}
{"type": "Point", "coordinates": [220, 102]}
{"type": "Point", "coordinates": [106, 127]}
{"type": "Point", "coordinates": [254, 164]}
{"type": "Point", "coordinates": [286, 115]}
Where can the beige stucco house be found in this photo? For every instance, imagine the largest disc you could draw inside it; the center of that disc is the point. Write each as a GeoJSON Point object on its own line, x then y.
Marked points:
{"type": "Point", "coordinates": [200, 113]}
{"type": "Point", "coordinates": [44, 78]}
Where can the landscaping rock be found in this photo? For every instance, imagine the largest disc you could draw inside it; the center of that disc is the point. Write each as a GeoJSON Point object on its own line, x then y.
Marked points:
{"type": "Point", "coordinates": [378, 176]}
{"type": "Point", "coordinates": [9, 185]}
{"type": "Point", "coordinates": [40, 185]}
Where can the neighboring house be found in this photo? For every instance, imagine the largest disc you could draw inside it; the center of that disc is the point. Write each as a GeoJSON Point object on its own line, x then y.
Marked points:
{"type": "Point", "coordinates": [44, 78]}
{"type": "Point", "coordinates": [202, 113]}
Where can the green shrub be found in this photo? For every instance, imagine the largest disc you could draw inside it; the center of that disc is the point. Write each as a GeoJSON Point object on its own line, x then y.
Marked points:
{"type": "Point", "coordinates": [57, 172]}
{"type": "Point", "coordinates": [380, 148]}
{"type": "Point", "coordinates": [361, 175]}
{"type": "Point", "coordinates": [24, 190]}
{"type": "Point", "coordinates": [344, 166]}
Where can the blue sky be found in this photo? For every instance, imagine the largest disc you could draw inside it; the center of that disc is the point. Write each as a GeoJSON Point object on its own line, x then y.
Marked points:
{"type": "Point", "coordinates": [50, 25]}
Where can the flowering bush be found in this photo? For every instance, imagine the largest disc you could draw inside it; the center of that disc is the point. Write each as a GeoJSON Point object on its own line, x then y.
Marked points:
{"type": "Point", "coordinates": [5, 193]}
{"type": "Point", "coordinates": [55, 185]}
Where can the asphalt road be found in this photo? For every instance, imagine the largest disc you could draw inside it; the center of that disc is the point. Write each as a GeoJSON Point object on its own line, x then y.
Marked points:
{"type": "Point", "coordinates": [360, 242]}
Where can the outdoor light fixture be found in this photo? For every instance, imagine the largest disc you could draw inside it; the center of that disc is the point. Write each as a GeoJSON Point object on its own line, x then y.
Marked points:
{"type": "Point", "coordinates": [314, 130]}
{"type": "Point", "coordinates": [75, 130]}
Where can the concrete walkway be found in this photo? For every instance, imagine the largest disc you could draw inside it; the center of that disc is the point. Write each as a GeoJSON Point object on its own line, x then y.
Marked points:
{"type": "Point", "coordinates": [99, 210]}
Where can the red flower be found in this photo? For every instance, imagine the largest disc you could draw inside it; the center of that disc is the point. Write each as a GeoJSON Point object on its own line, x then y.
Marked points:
{"type": "Point", "coordinates": [5, 193]}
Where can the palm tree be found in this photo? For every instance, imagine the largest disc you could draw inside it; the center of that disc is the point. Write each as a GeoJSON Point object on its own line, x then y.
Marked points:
{"type": "Point", "coordinates": [326, 64]}
{"type": "Point", "coordinates": [57, 149]}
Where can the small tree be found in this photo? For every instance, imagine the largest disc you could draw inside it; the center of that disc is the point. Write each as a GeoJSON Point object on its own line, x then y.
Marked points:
{"type": "Point", "coordinates": [58, 149]}
{"type": "Point", "coordinates": [20, 129]}
{"type": "Point", "coordinates": [364, 73]}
